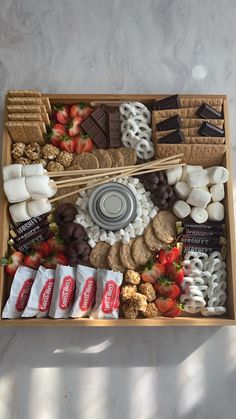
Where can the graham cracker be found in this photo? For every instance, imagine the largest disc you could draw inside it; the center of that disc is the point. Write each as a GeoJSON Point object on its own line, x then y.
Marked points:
{"type": "Point", "coordinates": [192, 122]}
{"type": "Point", "coordinates": [47, 104]}
{"type": "Point", "coordinates": [25, 117]}
{"type": "Point", "coordinates": [26, 108]}
{"type": "Point", "coordinates": [167, 150]}
{"type": "Point", "coordinates": [25, 132]}
{"type": "Point", "coordinates": [205, 140]}
{"type": "Point", "coordinates": [182, 112]}
{"type": "Point", "coordinates": [23, 93]}
{"type": "Point", "coordinates": [190, 102]}
{"type": "Point", "coordinates": [17, 132]}
{"type": "Point", "coordinates": [187, 132]}
{"type": "Point", "coordinates": [25, 101]}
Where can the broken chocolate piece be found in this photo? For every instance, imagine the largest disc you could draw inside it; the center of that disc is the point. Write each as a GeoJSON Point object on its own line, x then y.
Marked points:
{"type": "Point", "coordinates": [207, 112]}
{"type": "Point", "coordinates": [114, 132]}
{"type": "Point", "coordinates": [96, 133]}
{"type": "Point", "coordinates": [175, 137]}
{"type": "Point", "coordinates": [209, 130]}
{"type": "Point", "coordinates": [100, 118]}
{"type": "Point", "coordinates": [170, 102]}
{"type": "Point", "coordinates": [174, 122]}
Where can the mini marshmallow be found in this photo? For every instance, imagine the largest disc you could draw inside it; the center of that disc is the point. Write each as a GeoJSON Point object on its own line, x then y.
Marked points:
{"type": "Point", "coordinates": [39, 207]}
{"type": "Point", "coordinates": [11, 171]}
{"type": "Point", "coordinates": [199, 215]}
{"type": "Point", "coordinates": [19, 212]}
{"type": "Point", "coordinates": [199, 198]}
{"type": "Point", "coordinates": [173, 175]}
{"type": "Point", "coordinates": [217, 192]}
{"type": "Point", "coordinates": [38, 186]}
{"type": "Point", "coordinates": [187, 169]}
{"type": "Point", "coordinates": [216, 211]}
{"type": "Point", "coordinates": [181, 209]}
{"type": "Point", "coordinates": [91, 243]}
{"type": "Point", "coordinates": [103, 236]}
{"type": "Point", "coordinates": [218, 174]}
{"type": "Point", "coordinates": [182, 190]}
{"type": "Point", "coordinates": [153, 213]}
{"type": "Point", "coordinates": [33, 170]}
{"type": "Point", "coordinates": [197, 178]}
{"type": "Point", "coordinates": [15, 190]}
{"type": "Point", "coordinates": [126, 238]}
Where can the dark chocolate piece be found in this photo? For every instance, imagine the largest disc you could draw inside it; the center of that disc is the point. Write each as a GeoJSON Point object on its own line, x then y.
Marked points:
{"type": "Point", "coordinates": [114, 132]}
{"type": "Point", "coordinates": [207, 112]}
{"type": "Point", "coordinates": [174, 122]}
{"type": "Point", "coordinates": [209, 225]}
{"type": "Point", "coordinates": [96, 133]}
{"type": "Point", "coordinates": [170, 102]}
{"type": "Point", "coordinates": [100, 118]}
{"type": "Point", "coordinates": [175, 137]}
{"type": "Point", "coordinates": [209, 130]}
{"type": "Point", "coordinates": [206, 241]}
{"type": "Point", "coordinates": [204, 249]}
{"type": "Point", "coordinates": [200, 233]}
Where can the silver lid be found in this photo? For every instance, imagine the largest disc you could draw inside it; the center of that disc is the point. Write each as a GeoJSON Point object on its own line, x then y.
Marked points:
{"type": "Point", "coordinates": [112, 206]}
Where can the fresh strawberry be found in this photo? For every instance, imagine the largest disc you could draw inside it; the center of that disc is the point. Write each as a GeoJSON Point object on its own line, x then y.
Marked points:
{"type": "Point", "coordinates": [164, 304]}
{"type": "Point", "coordinates": [55, 244]}
{"type": "Point", "coordinates": [83, 143]}
{"type": "Point", "coordinates": [74, 126]}
{"type": "Point", "coordinates": [42, 247]}
{"type": "Point", "coordinates": [53, 260]}
{"type": "Point", "coordinates": [12, 263]}
{"type": "Point", "coordinates": [175, 272]}
{"type": "Point", "coordinates": [33, 259]}
{"type": "Point", "coordinates": [80, 109]}
{"type": "Point", "coordinates": [55, 133]}
{"type": "Point", "coordinates": [63, 113]}
{"type": "Point", "coordinates": [168, 255]}
{"type": "Point", "coordinates": [153, 272]}
{"type": "Point", "coordinates": [167, 288]}
{"type": "Point", "coordinates": [67, 144]}
{"type": "Point", "coordinates": [175, 311]}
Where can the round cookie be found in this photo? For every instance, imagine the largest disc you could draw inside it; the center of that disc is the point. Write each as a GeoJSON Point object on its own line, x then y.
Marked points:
{"type": "Point", "coordinates": [126, 255]}
{"type": "Point", "coordinates": [114, 258]}
{"type": "Point", "coordinates": [116, 157]}
{"type": "Point", "coordinates": [151, 241]}
{"type": "Point", "coordinates": [130, 156]}
{"type": "Point", "coordinates": [103, 158]}
{"type": "Point", "coordinates": [98, 255]}
{"type": "Point", "coordinates": [140, 252]}
{"type": "Point", "coordinates": [164, 226]}
{"type": "Point", "coordinates": [86, 161]}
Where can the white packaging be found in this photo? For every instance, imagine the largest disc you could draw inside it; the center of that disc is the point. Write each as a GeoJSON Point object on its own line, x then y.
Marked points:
{"type": "Point", "coordinates": [107, 296]}
{"type": "Point", "coordinates": [63, 292]}
{"type": "Point", "coordinates": [86, 285]}
{"type": "Point", "coordinates": [41, 294]}
{"type": "Point", "coordinates": [20, 292]}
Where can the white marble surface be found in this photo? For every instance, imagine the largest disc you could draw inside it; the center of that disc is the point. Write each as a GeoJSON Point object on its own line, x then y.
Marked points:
{"type": "Point", "coordinates": [118, 46]}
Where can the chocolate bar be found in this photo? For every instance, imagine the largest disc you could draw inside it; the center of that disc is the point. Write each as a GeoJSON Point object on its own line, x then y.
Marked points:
{"type": "Point", "coordinates": [114, 132]}
{"type": "Point", "coordinates": [174, 122]}
{"type": "Point", "coordinates": [20, 228]}
{"type": "Point", "coordinates": [207, 112]}
{"type": "Point", "coordinates": [206, 241]}
{"type": "Point", "coordinates": [204, 249]}
{"type": "Point", "coordinates": [96, 133]}
{"type": "Point", "coordinates": [209, 130]}
{"type": "Point", "coordinates": [100, 118]}
{"type": "Point", "coordinates": [200, 233]}
{"type": "Point", "coordinates": [209, 225]}
{"type": "Point", "coordinates": [175, 137]}
{"type": "Point", "coordinates": [26, 245]}
{"type": "Point", "coordinates": [170, 102]}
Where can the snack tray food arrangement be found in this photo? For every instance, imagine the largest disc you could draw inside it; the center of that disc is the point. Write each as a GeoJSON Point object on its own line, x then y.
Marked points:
{"type": "Point", "coordinates": [183, 128]}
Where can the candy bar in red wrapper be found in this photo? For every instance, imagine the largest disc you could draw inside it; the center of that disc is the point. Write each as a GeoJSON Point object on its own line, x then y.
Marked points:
{"type": "Point", "coordinates": [86, 285]}
{"type": "Point", "coordinates": [20, 292]}
{"type": "Point", "coordinates": [41, 294]}
{"type": "Point", "coordinates": [108, 295]}
{"type": "Point", "coordinates": [63, 292]}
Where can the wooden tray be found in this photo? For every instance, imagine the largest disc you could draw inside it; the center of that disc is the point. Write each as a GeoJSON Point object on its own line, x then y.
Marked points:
{"type": "Point", "coordinates": [229, 319]}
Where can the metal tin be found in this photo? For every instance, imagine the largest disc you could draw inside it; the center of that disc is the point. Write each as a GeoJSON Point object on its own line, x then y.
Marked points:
{"type": "Point", "coordinates": [112, 206]}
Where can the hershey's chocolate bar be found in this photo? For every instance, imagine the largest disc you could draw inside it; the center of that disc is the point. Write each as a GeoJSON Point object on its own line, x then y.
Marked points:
{"type": "Point", "coordinates": [114, 131]}
{"type": "Point", "coordinates": [206, 241]}
{"type": "Point", "coordinates": [175, 137]}
{"type": "Point", "coordinates": [204, 249]}
{"type": "Point", "coordinates": [26, 244]}
{"type": "Point", "coordinates": [209, 130]}
{"type": "Point", "coordinates": [209, 225]}
{"type": "Point", "coordinates": [207, 112]}
{"type": "Point", "coordinates": [174, 122]}
{"type": "Point", "coordinates": [21, 228]}
{"type": "Point", "coordinates": [170, 102]}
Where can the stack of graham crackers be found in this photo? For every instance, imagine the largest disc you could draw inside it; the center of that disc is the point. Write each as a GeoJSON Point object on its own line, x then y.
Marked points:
{"type": "Point", "coordinates": [27, 116]}
{"type": "Point", "coordinates": [197, 148]}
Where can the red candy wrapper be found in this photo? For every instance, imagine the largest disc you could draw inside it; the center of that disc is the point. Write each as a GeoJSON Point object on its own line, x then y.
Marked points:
{"type": "Point", "coordinates": [20, 292]}
{"type": "Point", "coordinates": [63, 292]}
{"type": "Point", "coordinates": [41, 294]}
{"type": "Point", "coordinates": [86, 285]}
{"type": "Point", "coordinates": [107, 296]}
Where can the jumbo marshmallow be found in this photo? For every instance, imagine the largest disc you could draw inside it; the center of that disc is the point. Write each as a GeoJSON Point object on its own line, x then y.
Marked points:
{"type": "Point", "coordinates": [217, 192]}
{"type": "Point", "coordinates": [197, 178]}
{"type": "Point", "coordinates": [199, 215]}
{"type": "Point", "coordinates": [181, 209]}
{"type": "Point", "coordinates": [38, 186]}
{"type": "Point", "coordinates": [38, 207]}
{"type": "Point", "coordinates": [182, 190]}
{"type": "Point", "coordinates": [216, 211]}
{"type": "Point", "coordinates": [33, 170]}
{"type": "Point", "coordinates": [173, 175]}
{"type": "Point", "coordinates": [19, 212]}
{"type": "Point", "coordinates": [16, 190]}
{"type": "Point", "coordinates": [53, 189]}
{"type": "Point", "coordinates": [11, 171]}
{"type": "Point", "coordinates": [187, 169]}
{"type": "Point", "coordinates": [199, 198]}
{"type": "Point", "coordinates": [218, 174]}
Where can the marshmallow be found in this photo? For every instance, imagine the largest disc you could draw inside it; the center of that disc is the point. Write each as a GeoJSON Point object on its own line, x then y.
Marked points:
{"type": "Point", "coordinates": [199, 198]}
{"type": "Point", "coordinates": [91, 243]}
{"type": "Point", "coordinates": [218, 174]}
{"type": "Point", "coordinates": [182, 190]}
{"type": "Point", "coordinates": [217, 192]}
{"type": "Point", "coordinates": [33, 170]}
{"type": "Point", "coordinates": [216, 211]}
{"type": "Point", "coordinates": [197, 178]}
{"type": "Point", "coordinates": [53, 189]}
{"type": "Point", "coordinates": [199, 215]}
{"type": "Point", "coordinates": [15, 190]}
{"type": "Point", "coordinates": [39, 207]}
{"type": "Point", "coordinates": [19, 212]}
{"type": "Point", "coordinates": [38, 186]}
{"type": "Point", "coordinates": [213, 311]}
{"type": "Point", "coordinates": [11, 171]}
{"type": "Point", "coordinates": [173, 175]}
{"type": "Point", "coordinates": [187, 169]}
{"type": "Point", "coordinates": [203, 188]}
{"type": "Point", "coordinates": [181, 209]}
